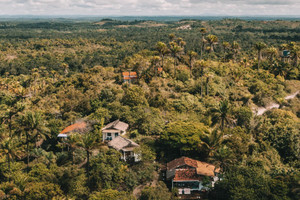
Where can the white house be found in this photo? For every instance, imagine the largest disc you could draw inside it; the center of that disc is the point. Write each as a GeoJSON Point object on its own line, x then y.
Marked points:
{"type": "Point", "coordinates": [113, 130]}
{"type": "Point", "coordinates": [126, 147]}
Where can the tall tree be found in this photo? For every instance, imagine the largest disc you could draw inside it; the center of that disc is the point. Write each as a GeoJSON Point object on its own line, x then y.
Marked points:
{"type": "Point", "coordinates": [72, 144]}
{"type": "Point", "coordinates": [235, 49]}
{"type": "Point", "coordinates": [226, 46]}
{"type": "Point", "coordinates": [172, 37]}
{"type": "Point", "coordinates": [203, 32]}
{"type": "Point", "coordinates": [9, 148]}
{"type": "Point", "coordinates": [211, 142]}
{"type": "Point", "coordinates": [272, 53]}
{"type": "Point", "coordinates": [259, 46]}
{"type": "Point", "coordinates": [163, 51]}
{"type": "Point", "coordinates": [221, 115]}
{"type": "Point", "coordinates": [212, 41]}
{"type": "Point", "coordinates": [192, 55]}
{"type": "Point", "coordinates": [295, 52]}
{"type": "Point", "coordinates": [175, 51]}
{"type": "Point", "coordinates": [199, 71]}
{"type": "Point", "coordinates": [33, 125]}
{"type": "Point", "coordinates": [88, 143]}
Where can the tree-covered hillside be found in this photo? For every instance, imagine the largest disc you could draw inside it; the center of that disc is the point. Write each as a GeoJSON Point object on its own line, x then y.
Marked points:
{"type": "Point", "coordinates": [205, 90]}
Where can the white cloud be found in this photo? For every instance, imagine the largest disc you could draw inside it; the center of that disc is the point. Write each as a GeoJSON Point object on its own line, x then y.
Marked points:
{"type": "Point", "coordinates": [150, 7]}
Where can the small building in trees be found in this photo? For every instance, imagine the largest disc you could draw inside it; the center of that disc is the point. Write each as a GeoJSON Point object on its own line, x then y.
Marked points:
{"type": "Point", "coordinates": [191, 176]}
{"type": "Point", "coordinates": [129, 77]}
{"type": "Point", "coordinates": [113, 130]}
{"type": "Point", "coordinates": [126, 147]}
{"type": "Point", "coordinates": [78, 127]}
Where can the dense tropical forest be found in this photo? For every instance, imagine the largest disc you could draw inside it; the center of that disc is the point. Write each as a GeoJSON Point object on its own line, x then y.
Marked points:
{"type": "Point", "coordinates": [204, 104]}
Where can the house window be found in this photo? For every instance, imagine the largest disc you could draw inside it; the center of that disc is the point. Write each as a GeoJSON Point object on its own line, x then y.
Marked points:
{"type": "Point", "coordinates": [108, 136]}
{"type": "Point", "coordinates": [117, 134]}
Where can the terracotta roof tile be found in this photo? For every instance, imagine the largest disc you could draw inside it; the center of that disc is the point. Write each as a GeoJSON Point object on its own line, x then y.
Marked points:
{"type": "Point", "coordinates": [129, 75]}
{"type": "Point", "coordinates": [79, 126]}
{"type": "Point", "coordinates": [181, 162]}
{"type": "Point", "coordinates": [206, 169]}
{"type": "Point", "coordinates": [186, 174]}
{"type": "Point", "coordinates": [200, 168]}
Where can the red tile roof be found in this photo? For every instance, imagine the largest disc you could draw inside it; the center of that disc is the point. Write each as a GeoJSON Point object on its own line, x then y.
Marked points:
{"type": "Point", "coordinates": [181, 162]}
{"type": "Point", "coordinates": [79, 126]}
{"type": "Point", "coordinates": [201, 168]}
{"type": "Point", "coordinates": [160, 69]}
{"type": "Point", "coordinates": [129, 75]}
{"type": "Point", "coordinates": [186, 175]}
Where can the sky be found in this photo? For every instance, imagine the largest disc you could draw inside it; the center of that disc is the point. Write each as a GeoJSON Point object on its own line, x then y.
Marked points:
{"type": "Point", "coordinates": [150, 7]}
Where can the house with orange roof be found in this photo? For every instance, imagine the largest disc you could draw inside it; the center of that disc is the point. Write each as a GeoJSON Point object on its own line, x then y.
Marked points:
{"type": "Point", "coordinates": [129, 77]}
{"type": "Point", "coordinates": [78, 127]}
{"type": "Point", "coordinates": [191, 176]}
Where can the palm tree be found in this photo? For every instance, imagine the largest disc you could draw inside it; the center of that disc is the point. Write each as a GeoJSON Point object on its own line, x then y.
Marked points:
{"type": "Point", "coordinates": [212, 41]}
{"type": "Point", "coordinates": [163, 51]}
{"type": "Point", "coordinates": [192, 55]}
{"type": "Point", "coordinates": [175, 51]}
{"type": "Point", "coordinates": [226, 46]}
{"type": "Point", "coordinates": [37, 153]}
{"type": "Point", "coordinates": [272, 52]}
{"type": "Point", "coordinates": [172, 37]}
{"type": "Point", "coordinates": [223, 157]}
{"type": "Point", "coordinates": [11, 113]}
{"type": "Point", "coordinates": [211, 142]}
{"type": "Point", "coordinates": [203, 32]}
{"type": "Point", "coordinates": [259, 46]}
{"type": "Point", "coordinates": [9, 148]}
{"type": "Point", "coordinates": [221, 115]}
{"type": "Point", "coordinates": [295, 52]}
{"type": "Point", "coordinates": [88, 143]}
{"type": "Point", "coordinates": [65, 67]}
{"type": "Point", "coordinates": [235, 49]}
{"type": "Point", "coordinates": [200, 66]}
{"type": "Point", "coordinates": [33, 125]}
{"type": "Point", "coordinates": [72, 144]}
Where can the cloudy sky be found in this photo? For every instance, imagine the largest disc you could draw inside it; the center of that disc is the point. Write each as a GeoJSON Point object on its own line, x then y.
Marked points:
{"type": "Point", "coordinates": [150, 7]}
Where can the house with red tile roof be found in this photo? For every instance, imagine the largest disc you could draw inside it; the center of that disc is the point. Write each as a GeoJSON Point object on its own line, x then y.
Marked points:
{"type": "Point", "coordinates": [189, 175]}
{"type": "Point", "coordinates": [78, 127]}
{"type": "Point", "coordinates": [129, 77]}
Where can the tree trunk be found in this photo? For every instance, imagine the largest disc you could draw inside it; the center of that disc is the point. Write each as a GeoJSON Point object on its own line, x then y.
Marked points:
{"type": "Point", "coordinates": [88, 165]}
{"type": "Point", "coordinates": [8, 165]}
{"type": "Point", "coordinates": [201, 86]}
{"type": "Point", "coordinates": [259, 58]}
{"type": "Point", "coordinates": [202, 47]}
{"type": "Point", "coordinates": [72, 156]}
{"type": "Point", "coordinates": [174, 66]}
{"type": "Point", "coordinates": [8, 162]}
{"type": "Point", "coordinates": [27, 149]}
{"type": "Point", "coordinates": [222, 124]}
{"type": "Point", "coordinates": [206, 86]}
